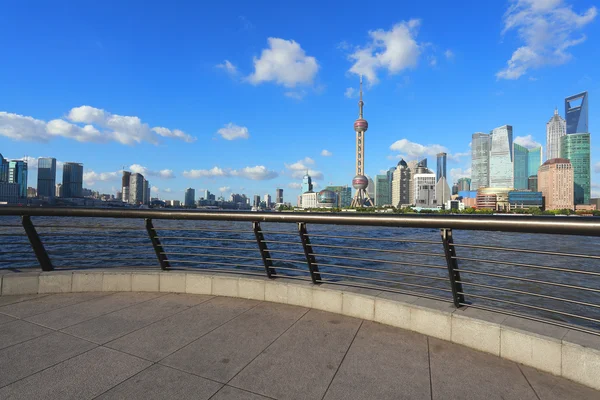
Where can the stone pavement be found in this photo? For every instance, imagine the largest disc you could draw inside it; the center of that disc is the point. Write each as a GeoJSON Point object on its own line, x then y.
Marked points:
{"type": "Point", "coordinates": [178, 346]}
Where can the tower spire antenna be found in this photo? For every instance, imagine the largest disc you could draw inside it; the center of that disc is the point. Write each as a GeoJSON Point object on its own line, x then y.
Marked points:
{"type": "Point", "coordinates": [360, 101]}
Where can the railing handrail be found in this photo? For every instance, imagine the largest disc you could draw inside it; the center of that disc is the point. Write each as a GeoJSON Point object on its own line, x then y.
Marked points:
{"type": "Point", "coordinates": [583, 226]}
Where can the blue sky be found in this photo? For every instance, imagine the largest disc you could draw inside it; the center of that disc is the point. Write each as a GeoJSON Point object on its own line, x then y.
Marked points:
{"type": "Point", "coordinates": [243, 96]}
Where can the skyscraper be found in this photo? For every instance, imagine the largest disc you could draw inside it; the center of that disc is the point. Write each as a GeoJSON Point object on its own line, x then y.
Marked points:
{"type": "Point", "coordinates": [46, 182]}
{"type": "Point", "coordinates": [501, 158]}
{"type": "Point", "coordinates": [145, 192]}
{"type": "Point", "coordinates": [279, 196]}
{"type": "Point", "coordinates": [125, 186]}
{"type": "Point", "coordinates": [72, 180]}
{"type": "Point", "coordinates": [521, 175]}
{"type": "Point", "coordinates": [424, 186]}
{"type": "Point", "coordinates": [360, 181]}
{"type": "Point", "coordinates": [190, 195]}
{"type": "Point", "coordinates": [464, 184]}
{"type": "Point", "coordinates": [441, 166]}
{"type": "Point", "coordinates": [343, 194]}
{"type": "Point", "coordinates": [136, 189]}
{"type": "Point", "coordinates": [3, 169]}
{"type": "Point", "coordinates": [480, 160]}
{"type": "Point", "coordinates": [576, 148]}
{"type": "Point", "coordinates": [576, 113]}
{"type": "Point", "coordinates": [371, 187]}
{"type": "Point", "coordinates": [267, 200]}
{"type": "Point", "coordinates": [382, 190]}
{"type": "Point", "coordinates": [555, 181]}
{"type": "Point", "coordinates": [555, 129]}
{"type": "Point", "coordinates": [307, 183]}
{"type": "Point", "coordinates": [17, 173]}
{"type": "Point", "coordinates": [401, 185]}
{"type": "Point", "coordinates": [534, 160]}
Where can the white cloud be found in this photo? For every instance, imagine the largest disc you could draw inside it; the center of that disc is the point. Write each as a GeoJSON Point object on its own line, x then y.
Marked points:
{"type": "Point", "coordinates": [326, 153]}
{"type": "Point", "coordinates": [205, 173]}
{"type": "Point", "coordinates": [164, 173]}
{"type": "Point", "coordinates": [414, 150]}
{"type": "Point", "coordinates": [285, 63]}
{"type": "Point", "coordinates": [225, 189]}
{"type": "Point", "coordinates": [350, 92]}
{"type": "Point", "coordinates": [432, 61]}
{"type": "Point", "coordinates": [168, 190]}
{"type": "Point", "coordinates": [457, 173]}
{"type": "Point", "coordinates": [393, 50]}
{"type": "Point", "coordinates": [527, 141]}
{"type": "Point", "coordinates": [257, 173]}
{"type": "Point", "coordinates": [294, 185]}
{"type": "Point", "coordinates": [597, 167]}
{"type": "Point", "coordinates": [547, 28]}
{"type": "Point", "coordinates": [297, 95]}
{"type": "Point", "coordinates": [228, 67]}
{"type": "Point", "coordinates": [449, 54]}
{"type": "Point", "coordinates": [99, 126]}
{"type": "Point", "coordinates": [155, 189]}
{"type": "Point", "coordinates": [298, 169]}
{"type": "Point", "coordinates": [91, 177]}
{"type": "Point", "coordinates": [232, 131]}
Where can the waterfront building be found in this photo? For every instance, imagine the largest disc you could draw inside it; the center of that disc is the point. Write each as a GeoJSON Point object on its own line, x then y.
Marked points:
{"type": "Point", "coordinates": [326, 199]}
{"type": "Point", "coordinates": [532, 183]}
{"type": "Point", "coordinates": [382, 190]}
{"type": "Point", "coordinates": [555, 181]}
{"type": "Point", "coordinates": [576, 113]}
{"type": "Point", "coordinates": [309, 200]}
{"type": "Point", "coordinates": [534, 160]}
{"type": "Point", "coordinates": [9, 193]}
{"type": "Point", "coordinates": [279, 196]}
{"type": "Point", "coordinates": [46, 181]}
{"type": "Point", "coordinates": [360, 181]}
{"type": "Point", "coordinates": [31, 192]}
{"type": "Point", "coordinates": [256, 201]}
{"type": "Point", "coordinates": [442, 191]}
{"type": "Point", "coordinates": [525, 199]}
{"type": "Point", "coordinates": [492, 198]}
{"type": "Point", "coordinates": [501, 164]}
{"type": "Point", "coordinates": [59, 190]}
{"type": "Point", "coordinates": [190, 196]}
{"type": "Point", "coordinates": [125, 185]}
{"type": "Point", "coordinates": [401, 185]}
{"type": "Point", "coordinates": [72, 179]}
{"type": "Point", "coordinates": [268, 200]}
{"type": "Point", "coordinates": [464, 184]}
{"type": "Point", "coordinates": [307, 185]}
{"type": "Point", "coordinates": [17, 173]}
{"type": "Point", "coordinates": [343, 193]}
{"type": "Point", "coordinates": [480, 159]}
{"type": "Point", "coordinates": [146, 192]}
{"type": "Point", "coordinates": [521, 169]}
{"type": "Point", "coordinates": [424, 186]}
{"type": "Point", "coordinates": [136, 189]}
{"type": "Point", "coordinates": [555, 129]}
{"type": "Point", "coordinates": [455, 189]}
{"type": "Point", "coordinates": [441, 166]}
{"type": "Point", "coordinates": [3, 169]}
{"type": "Point", "coordinates": [576, 148]}
{"type": "Point", "coordinates": [371, 188]}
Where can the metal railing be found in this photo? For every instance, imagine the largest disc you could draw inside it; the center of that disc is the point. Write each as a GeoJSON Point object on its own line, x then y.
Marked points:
{"type": "Point", "coordinates": [492, 265]}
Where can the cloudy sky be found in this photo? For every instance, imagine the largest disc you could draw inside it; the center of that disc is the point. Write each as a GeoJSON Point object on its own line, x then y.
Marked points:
{"type": "Point", "coordinates": [244, 96]}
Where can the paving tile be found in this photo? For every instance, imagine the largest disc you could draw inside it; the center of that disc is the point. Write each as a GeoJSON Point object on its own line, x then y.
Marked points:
{"type": "Point", "coordinates": [82, 377]}
{"type": "Point", "coordinates": [550, 387]}
{"type": "Point", "coordinates": [231, 393]}
{"type": "Point", "coordinates": [4, 300]}
{"type": "Point", "coordinates": [156, 341]}
{"type": "Point", "coordinates": [76, 313]}
{"type": "Point", "coordinates": [159, 382]}
{"type": "Point", "coordinates": [382, 363]}
{"type": "Point", "coordinates": [114, 325]}
{"type": "Point", "coordinates": [458, 372]}
{"type": "Point", "coordinates": [47, 303]}
{"type": "Point", "coordinates": [225, 351]}
{"type": "Point", "coordinates": [5, 318]}
{"type": "Point", "coordinates": [27, 358]}
{"type": "Point", "coordinates": [302, 362]}
{"type": "Point", "coordinates": [19, 331]}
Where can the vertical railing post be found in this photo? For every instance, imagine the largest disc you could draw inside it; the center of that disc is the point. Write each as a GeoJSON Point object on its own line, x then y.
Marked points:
{"type": "Point", "coordinates": [264, 251]}
{"type": "Point", "coordinates": [158, 249]}
{"type": "Point", "coordinates": [36, 244]}
{"type": "Point", "coordinates": [452, 263]}
{"type": "Point", "coordinates": [308, 253]}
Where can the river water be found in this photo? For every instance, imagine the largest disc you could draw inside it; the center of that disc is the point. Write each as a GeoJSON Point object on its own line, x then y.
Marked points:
{"type": "Point", "coordinates": [107, 242]}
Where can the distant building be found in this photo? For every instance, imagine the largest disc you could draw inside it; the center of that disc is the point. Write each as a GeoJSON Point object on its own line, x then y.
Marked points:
{"type": "Point", "coordinates": [464, 184]}
{"type": "Point", "coordinates": [31, 193]}
{"type": "Point", "coordinates": [125, 186]}
{"type": "Point", "coordinates": [401, 184]}
{"type": "Point", "coordinates": [555, 181]}
{"type": "Point", "coordinates": [307, 185]}
{"type": "Point", "coordinates": [493, 198]}
{"type": "Point", "coordinates": [371, 188]}
{"type": "Point", "coordinates": [532, 183]}
{"type": "Point", "coordinates": [555, 129]}
{"type": "Point", "coordinates": [279, 195]}
{"type": "Point", "coordinates": [455, 189]}
{"type": "Point", "coordinates": [46, 180]}
{"type": "Point", "coordinates": [576, 148]}
{"type": "Point", "coordinates": [3, 169]}
{"type": "Point", "coordinates": [576, 113]}
{"type": "Point", "coordinates": [17, 173]}
{"type": "Point", "coordinates": [72, 180]}
{"type": "Point", "coordinates": [59, 190]}
{"type": "Point", "coordinates": [534, 160]}
{"type": "Point", "coordinates": [525, 199]}
{"type": "Point", "coordinates": [136, 189]}
{"type": "Point", "coordinates": [309, 200]}
{"type": "Point", "coordinates": [441, 166]}
{"type": "Point", "coordinates": [424, 185]}
{"type": "Point", "coordinates": [521, 170]}
{"type": "Point", "coordinates": [190, 196]}
{"type": "Point", "coordinates": [501, 172]}
{"type": "Point", "coordinates": [442, 191]}
{"type": "Point", "coordinates": [382, 190]}
{"type": "Point", "coordinates": [480, 160]}
{"type": "Point", "coordinates": [343, 193]}
{"type": "Point", "coordinates": [267, 200]}
{"type": "Point", "coordinates": [256, 202]}
{"type": "Point", "coordinates": [9, 192]}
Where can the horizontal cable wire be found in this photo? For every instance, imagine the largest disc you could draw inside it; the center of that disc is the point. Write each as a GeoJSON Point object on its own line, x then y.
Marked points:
{"type": "Point", "coordinates": [276, 268]}
{"type": "Point", "coordinates": [384, 280]}
{"type": "Point", "coordinates": [280, 242]}
{"type": "Point", "coordinates": [378, 260]}
{"type": "Point", "coordinates": [206, 238]}
{"type": "Point", "coordinates": [210, 255]}
{"type": "Point", "coordinates": [387, 289]}
{"type": "Point", "coordinates": [549, 253]}
{"type": "Point", "coordinates": [375, 239]}
{"type": "Point", "coordinates": [210, 247]}
{"type": "Point", "coordinates": [575, 271]}
{"type": "Point", "coordinates": [382, 271]}
{"type": "Point", "coordinates": [216, 263]}
{"type": "Point", "coordinates": [204, 230]}
{"type": "Point", "coordinates": [379, 250]}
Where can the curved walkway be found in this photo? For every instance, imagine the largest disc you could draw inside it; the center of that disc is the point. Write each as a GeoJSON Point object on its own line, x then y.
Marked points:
{"type": "Point", "coordinates": [178, 346]}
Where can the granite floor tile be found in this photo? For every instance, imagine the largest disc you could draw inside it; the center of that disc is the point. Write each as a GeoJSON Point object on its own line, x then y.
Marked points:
{"type": "Point", "coordinates": [19, 331]}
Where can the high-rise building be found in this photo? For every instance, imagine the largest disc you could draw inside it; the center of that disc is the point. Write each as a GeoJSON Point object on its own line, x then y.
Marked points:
{"type": "Point", "coordinates": [31, 192]}
{"type": "Point", "coordinates": [307, 185]}
{"type": "Point", "coordinates": [360, 181]}
{"type": "Point", "coordinates": [555, 181]}
{"type": "Point", "coordinates": [454, 189]}
{"type": "Point", "coordinates": [534, 160]}
{"type": "Point", "coordinates": [190, 195]}
{"type": "Point", "coordinates": [3, 169]}
{"type": "Point", "coordinates": [17, 173]}
{"type": "Point", "coordinates": [521, 168]}
{"type": "Point", "coordinates": [532, 183]}
{"type": "Point", "coordinates": [576, 113]}
{"type": "Point", "coordinates": [125, 185]}
{"type": "Point", "coordinates": [267, 200]}
{"type": "Point", "coordinates": [9, 192]}
{"type": "Point", "coordinates": [382, 190]}
{"type": "Point", "coordinates": [279, 196]}
{"type": "Point", "coordinates": [256, 202]}
{"type": "Point", "coordinates": [371, 187]}
{"type": "Point", "coordinates": [72, 180]}
{"type": "Point", "coordinates": [480, 160]}
{"type": "Point", "coordinates": [136, 189]}
{"type": "Point", "coordinates": [576, 148]}
{"type": "Point", "coordinates": [441, 166]}
{"type": "Point", "coordinates": [343, 195]}
{"type": "Point", "coordinates": [59, 190]}
{"type": "Point", "coordinates": [464, 184]}
{"type": "Point", "coordinates": [424, 188]}
{"type": "Point", "coordinates": [501, 157]}
{"type": "Point", "coordinates": [147, 192]}
{"type": "Point", "coordinates": [401, 185]}
{"type": "Point", "coordinates": [442, 191]}
{"type": "Point", "coordinates": [555, 129]}
{"type": "Point", "coordinates": [46, 182]}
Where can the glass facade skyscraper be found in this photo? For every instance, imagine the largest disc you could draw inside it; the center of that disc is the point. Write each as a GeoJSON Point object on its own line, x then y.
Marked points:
{"type": "Point", "coordinates": [3, 169]}
{"type": "Point", "coordinates": [464, 184]}
{"type": "Point", "coordinates": [72, 180]}
{"type": "Point", "coordinates": [46, 182]}
{"type": "Point", "coordinates": [576, 148]}
{"type": "Point", "coordinates": [576, 113]}
{"type": "Point", "coordinates": [534, 160]}
{"type": "Point", "coordinates": [382, 190]}
{"type": "Point", "coordinates": [441, 166]}
{"type": "Point", "coordinates": [17, 173]}
{"type": "Point", "coordinates": [344, 195]}
{"type": "Point", "coordinates": [521, 157]}
{"type": "Point", "coordinates": [555, 129]}
{"type": "Point", "coordinates": [501, 170]}
{"type": "Point", "coordinates": [307, 183]}
{"type": "Point", "coordinates": [480, 159]}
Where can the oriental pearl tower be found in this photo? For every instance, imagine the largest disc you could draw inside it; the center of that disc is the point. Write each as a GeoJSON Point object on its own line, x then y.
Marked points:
{"type": "Point", "coordinates": [360, 181]}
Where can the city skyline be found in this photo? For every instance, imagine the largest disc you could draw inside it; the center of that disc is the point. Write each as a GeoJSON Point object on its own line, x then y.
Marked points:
{"type": "Point", "coordinates": [223, 123]}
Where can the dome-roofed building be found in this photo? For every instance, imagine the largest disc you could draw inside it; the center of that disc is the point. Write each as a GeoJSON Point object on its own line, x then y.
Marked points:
{"type": "Point", "coordinates": [327, 198]}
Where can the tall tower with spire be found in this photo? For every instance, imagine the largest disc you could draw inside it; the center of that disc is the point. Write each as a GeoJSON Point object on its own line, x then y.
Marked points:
{"type": "Point", "coordinates": [555, 129]}
{"type": "Point", "coordinates": [360, 181]}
